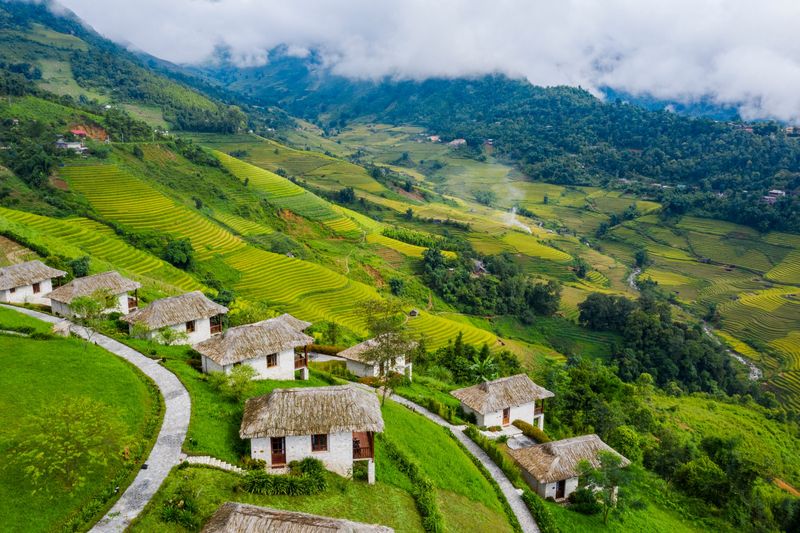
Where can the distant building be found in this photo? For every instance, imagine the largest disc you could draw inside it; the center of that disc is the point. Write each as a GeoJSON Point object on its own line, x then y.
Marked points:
{"type": "Point", "coordinates": [120, 287]}
{"type": "Point", "coordinates": [501, 401]}
{"type": "Point", "coordinates": [358, 364]}
{"type": "Point", "coordinates": [457, 142]}
{"type": "Point", "coordinates": [75, 146]}
{"type": "Point", "coordinates": [191, 313]}
{"type": "Point", "coordinates": [78, 132]}
{"type": "Point", "coordinates": [434, 138]}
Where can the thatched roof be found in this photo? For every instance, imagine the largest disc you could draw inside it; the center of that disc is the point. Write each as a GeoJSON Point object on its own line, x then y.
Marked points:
{"type": "Point", "coordinates": [175, 310]}
{"type": "Point", "coordinates": [28, 273]}
{"type": "Point", "coordinates": [557, 460]}
{"type": "Point", "coordinates": [87, 286]}
{"type": "Point", "coordinates": [293, 322]}
{"type": "Point", "coordinates": [491, 396]}
{"type": "Point", "coordinates": [360, 351]}
{"type": "Point", "coordinates": [251, 340]}
{"type": "Point", "coordinates": [242, 518]}
{"type": "Point", "coordinates": [311, 411]}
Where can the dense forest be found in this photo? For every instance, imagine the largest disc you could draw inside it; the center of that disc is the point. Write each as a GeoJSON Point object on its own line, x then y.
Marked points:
{"type": "Point", "coordinates": [560, 134]}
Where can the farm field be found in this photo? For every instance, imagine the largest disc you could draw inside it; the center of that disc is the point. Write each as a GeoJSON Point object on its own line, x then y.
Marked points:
{"type": "Point", "coordinates": [40, 376]}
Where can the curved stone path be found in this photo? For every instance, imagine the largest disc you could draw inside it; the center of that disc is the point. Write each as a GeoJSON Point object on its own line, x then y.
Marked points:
{"type": "Point", "coordinates": [521, 511]}
{"type": "Point", "coordinates": [166, 452]}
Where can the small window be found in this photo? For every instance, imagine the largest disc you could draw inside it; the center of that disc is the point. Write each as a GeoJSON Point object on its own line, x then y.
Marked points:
{"type": "Point", "coordinates": [319, 443]}
{"type": "Point", "coordinates": [12, 290]}
{"type": "Point", "coordinates": [272, 360]}
{"type": "Point", "coordinates": [190, 326]}
{"type": "Point", "coordinates": [36, 288]}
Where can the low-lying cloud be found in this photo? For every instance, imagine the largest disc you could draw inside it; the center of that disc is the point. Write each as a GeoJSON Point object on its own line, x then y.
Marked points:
{"type": "Point", "coordinates": [732, 52]}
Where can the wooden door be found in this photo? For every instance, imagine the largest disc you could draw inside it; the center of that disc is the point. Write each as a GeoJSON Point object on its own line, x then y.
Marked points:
{"type": "Point", "coordinates": [561, 488]}
{"type": "Point", "coordinates": [278, 445]}
{"type": "Point", "coordinates": [506, 416]}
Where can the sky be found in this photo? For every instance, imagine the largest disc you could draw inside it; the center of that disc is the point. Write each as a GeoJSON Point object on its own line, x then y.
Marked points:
{"type": "Point", "coordinates": [742, 53]}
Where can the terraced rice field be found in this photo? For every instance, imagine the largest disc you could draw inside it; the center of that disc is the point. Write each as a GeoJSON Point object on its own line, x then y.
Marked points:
{"type": "Point", "coordinates": [530, 246]}
{"type": "Point", "coordinates": [408, 250]}
{"type": "Point", "coordinates": [665, 277]}
{"type": "Point", "coordinates": [119, 196]}
{"type": "Point", "coordinates": [282, 193]}
{"type": "Point", "coordinates": [100, 242]}
{"type": "Point", "coordinates": [715, 227]}
{"type": "Point", "coordinates": [739, 252]}
{"type": "Point", "coordinates": [788, 270]}
{"type": "Point", "coordinates": [438, 331]}
{"type": "Point", "coordinates": [242, 225]}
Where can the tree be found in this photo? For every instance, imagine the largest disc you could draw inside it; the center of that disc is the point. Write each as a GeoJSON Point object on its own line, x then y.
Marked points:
{"type": "Point", "coordinates": [169, 336]}
{"type": "Point", "coordinates": [79, 266]}
{"type": "Point", "coordinates": [237, 384]}
{"type": "Point", "coordinates": [641, 258]}
{"type": "Point", "coordinates": [396, 285]}
{"type": "Point", "coordinates": [332, 332]}
{"type": "Point", "coordinates": [580, 267]}
{"type": "Point", "coordinates": [179, 252]}
{"type": "Point", "coordinates": [67, 442]}
{"type": "Point", "coordinates": [88, 311]}
{"type": "Point", "coordinates": [484, 368]}
{"type": "Point", "coordinates": [605, 480]}
{"type": "Point", "coordinates": [346, 195]}
{"type": "Point", "coordinates": [390, 341]}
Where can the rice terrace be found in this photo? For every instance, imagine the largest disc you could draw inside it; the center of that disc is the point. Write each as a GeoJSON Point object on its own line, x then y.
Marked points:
{"type": "Point", "coordinates": [263, 274]}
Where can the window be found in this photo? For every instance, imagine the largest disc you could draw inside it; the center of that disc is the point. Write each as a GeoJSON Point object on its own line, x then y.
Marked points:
{"type": "Point", "coordinates": [272, 360]}
{"type": "Point", "coordinates": [12, 290]}
{"type": "Point", "coordinates": [319, 443]}
{"type": "Point", "coordinates": [190, 326]}
{"type": "Point", "coordinates": [36, 288]}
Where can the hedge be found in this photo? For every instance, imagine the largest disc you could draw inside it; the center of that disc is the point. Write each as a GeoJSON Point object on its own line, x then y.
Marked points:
{"type": "Point", "coordinates": [531, 431]}
{"type": "Point", "coordinates": [544, 519]}
{"type": "Point", "coordinates": [326, 349]}
{"type": "Point", "coordinates": [305, 478]}
{"type": "Point", "coordinates": [424, 492]}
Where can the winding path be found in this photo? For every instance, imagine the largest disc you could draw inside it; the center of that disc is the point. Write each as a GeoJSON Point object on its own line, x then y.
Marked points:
{"type": "Point", "coordinates": [521, 511]}
{"type": "Point", "coordinates": [166, 452]}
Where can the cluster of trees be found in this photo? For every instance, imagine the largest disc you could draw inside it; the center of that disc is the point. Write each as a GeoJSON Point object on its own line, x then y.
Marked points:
{"type": "Point", "coordinates": [674, 353]}
{"type": "Point", "coordinates": [424, 239]}
{"type": "Point", "coordinates": [463, 363]}
{"type": "Point", "coordinates": [591, 398]}
{"type": "Point", "coordinates": [177, 252]}
{"type": "Point", "coordinates": [503, 289]}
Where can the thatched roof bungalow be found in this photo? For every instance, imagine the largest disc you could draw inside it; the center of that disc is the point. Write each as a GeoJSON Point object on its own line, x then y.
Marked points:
{"type": "Point", "coordinates": [268, 346]}
{"type": "Point", "coordinates": [552, 468]}
{"type": "Point", "coordinates": [27, 282]}
{"type": "Point", "coordinates": [359, 362]}
{"type": "Point", "coordinates": [112, 281]}
{"type": "Point", "coordinates": [501, 401]}
{"type": "Point", "coordinates": [334, 424]}
{"type": "Point", "coordinates": [243, 518]}
{"type": "Point", "coordinates": [192, 314]}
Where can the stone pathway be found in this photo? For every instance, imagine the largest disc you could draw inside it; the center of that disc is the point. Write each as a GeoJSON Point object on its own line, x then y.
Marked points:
{"type": "Point", "coordinates": [207, 460]}
{"type": "Point", "coordinates": [167, 450]}
{"type": "Point", "coordinates": [512, 495]}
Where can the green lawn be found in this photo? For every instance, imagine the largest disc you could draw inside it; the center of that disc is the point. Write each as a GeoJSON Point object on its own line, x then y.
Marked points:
{"type": "Point", "coordinates": [41, 373]}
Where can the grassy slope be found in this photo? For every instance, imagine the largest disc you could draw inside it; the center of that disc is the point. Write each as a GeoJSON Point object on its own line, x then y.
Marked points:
{"type": "Point", "coordinates": [37, 373]}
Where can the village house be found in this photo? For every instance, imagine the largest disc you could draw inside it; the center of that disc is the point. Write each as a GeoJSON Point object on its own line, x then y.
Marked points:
{"type": "Point", "coordinates": [268, 346]}
{"type": "Point", "coordinates": [244, 518]}
{"type": "Point", "coordinates": [112, 282]}
{"type": "Point", "coordinates": [75, 146]}
{"type": "Point", "coordinates": [333, 424]}
{"type": "Point", "coordinates": [551, 469]}
{"type": "Point", "coordinates": [357, 360]}
{"type": "Point", "coordinates": [191, 313]}
{"type": "Point", "coordinates": [27, 282]}
{"type": "Point", "coordinates": [457, 142]}
{"type": "Point", "coordinates": [500, 402]}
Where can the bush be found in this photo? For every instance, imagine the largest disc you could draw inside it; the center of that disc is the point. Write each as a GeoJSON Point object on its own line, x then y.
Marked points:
{"type": "Point", "coordinates": [423, 491]}
{"type": "Point", "coordinates": [584, 501]}
{"type": "Point", "coordinates": [370, 381]}
{"type": "Point", "coordinates": [531, 431]}
{"type": "Point", "coordinates": [495, 428]}
{"type": "Point", "coordinates": [326, 349]}
{"type": "Point", "coordinates": [540, 512]}
{"type": "Point", "coordinates": [253, 464]}
{"type": "Point", "coordinates": [180, 508]}
{"type": "Point", "coordinates": [305, 478]}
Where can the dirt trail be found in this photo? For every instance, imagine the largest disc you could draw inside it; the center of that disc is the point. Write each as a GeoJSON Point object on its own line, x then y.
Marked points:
{"type": "Point", "coordinates": [785, 486]}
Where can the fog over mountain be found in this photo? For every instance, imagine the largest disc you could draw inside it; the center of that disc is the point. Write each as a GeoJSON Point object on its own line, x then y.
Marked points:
{"type": "Point", "coordinates": [733, 52]}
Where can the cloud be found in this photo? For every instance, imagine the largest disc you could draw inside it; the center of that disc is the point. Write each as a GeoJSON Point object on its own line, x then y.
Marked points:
{"type": "Point", "coordinates": [733, 52]}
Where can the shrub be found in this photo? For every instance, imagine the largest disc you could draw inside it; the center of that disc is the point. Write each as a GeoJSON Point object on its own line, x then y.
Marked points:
{"type": "Point", "coordinates": [305, 478]}
{"type": "Point", "coordinates": [423, 491]}
{"type": "Point", "coordinates": [540, 512]}
{"type": "Point", "coordinates": [180, 508]}
{"type": "Point", "coordinates": [370, 381]}
{"type": "Point", "coordinates": [253, 464]}
{"type": "Point", "coordinates": [495, 428]}
{"type": "Point", "coordinates": [531, 431]}
{"type": "Point", "coordinates": [326, 349]}
{"type": "Point", "coordinates": [584, 501]}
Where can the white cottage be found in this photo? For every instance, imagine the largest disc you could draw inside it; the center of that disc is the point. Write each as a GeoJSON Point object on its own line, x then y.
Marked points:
{"type": "Point", "coordinates": [243, 518]}
{"type": "Point", "coordinates": [268, 346]}
{"type": "Point", "coordinates": [551, 469]}
{"type": "Point", "coordinates": [27, 282]}
{"type": "Point", "coordinates": [358, 363]}
{"type": "Point", "coordinates": [333, 424]}
{"type": "Point", "coordinates": [191, 313]}
{"type": "Point", "coordinates": [113, 282]}
{"type": "Point", "coordinates": [500, 402]}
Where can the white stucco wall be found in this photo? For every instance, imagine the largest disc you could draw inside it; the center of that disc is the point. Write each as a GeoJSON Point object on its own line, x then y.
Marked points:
{"type": "Point", "coordinates": [368, 370]}
{"type": "Point", "coordinates": [520, 412]}
{"type": "Point", "coordinates": [548, 490]}
{"type": "Point", "coordinates": [24, 294]}
{"type": "Point", "coordinates": [202, 331]}
{"type": "Point", "coordinates": [338, 458]}
{"type": "Point", "coordinates": [62, 309]}
{"type": "Point", "coordinates": [283, 371]}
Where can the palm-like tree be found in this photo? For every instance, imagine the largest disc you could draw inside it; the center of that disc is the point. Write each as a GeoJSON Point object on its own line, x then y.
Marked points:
{"type": "Point", "coordinates": [483, 369]}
